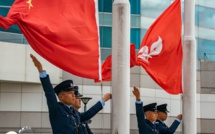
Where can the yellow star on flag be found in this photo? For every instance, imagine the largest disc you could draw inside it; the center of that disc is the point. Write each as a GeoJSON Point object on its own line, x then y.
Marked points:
{"type": "Point", "coordinates": [30, 4]}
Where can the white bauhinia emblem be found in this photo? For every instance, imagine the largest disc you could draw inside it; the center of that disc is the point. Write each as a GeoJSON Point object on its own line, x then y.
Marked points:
{"type": "Point", "coordinates": [155, 49]}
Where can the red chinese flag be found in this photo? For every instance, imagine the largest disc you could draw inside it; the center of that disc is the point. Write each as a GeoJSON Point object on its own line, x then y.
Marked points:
{"type": "Point", "coordinates": [64, 32]}
{"type": "Point", "coordinates": [160, 53]}
{"type": "Point", "coordinates": [106, 66]}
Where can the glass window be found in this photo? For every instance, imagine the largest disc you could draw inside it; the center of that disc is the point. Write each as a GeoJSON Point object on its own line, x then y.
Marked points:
{"type": "Point", "coordinates": [206, 3]}
{"type": "Point", "coordinates": [153, 8]}
{"type": "Point", "coordinates": [196, 15]}
{"type": "Point", "coordinates": [206, 17]}
{"type": "Point", "coordinates": [135, 21]}
{"type": "Point", "coordinates": [12, 37]}
{"type": "Point", "coordinates": [3, 11]}
{"type": "Point", "coordinates": [105, 36]}
{"type": "Point", "coordinates": [206, 49]}
{"type": "Point", "coordinates": [135, 37]}
{"type": "Point", "coordinates": [105, 6]}
{"type": "Point", "coordinates": [135, 6]}
{"type": "Point", "coordinates": [13, 29]}
{"type": "Point", "coordinates": [205, 33]}
{"type": "Point", "coordinates": [143, 32]}
{"type": "Point", "coordinates": [105, 19]}
{"type": "Point", "coordinates": [6, 2]}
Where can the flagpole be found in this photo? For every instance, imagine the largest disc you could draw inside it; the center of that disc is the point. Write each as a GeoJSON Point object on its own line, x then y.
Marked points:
{"type": "Point", "coordinates": [189, 69]}
{"type": "Point", "coordinates": [120, 118]}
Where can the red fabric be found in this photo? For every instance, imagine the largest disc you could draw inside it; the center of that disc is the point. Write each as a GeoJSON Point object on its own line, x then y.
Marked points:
{"type": "Point", "coordinates": [63, 32]}
{"type": "Point", "coordinates": [163, 62]}
{"type": "Point", "coordinates": [106, 69]}
{"type": "Point", "coordinates": [106, 66]}
{"type": "Point", "coordinates": [132, 56]}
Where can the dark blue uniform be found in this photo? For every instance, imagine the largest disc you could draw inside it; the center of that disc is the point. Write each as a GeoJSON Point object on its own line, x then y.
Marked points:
{"type": "Point", "coordinates": [86, 128]}
{"type": "Point", "coordinates": [164, 129]}
{"type": "Point", "coordinates": [144, 126]}
{"type": "Point", "coordinates": [83, 127]}
{"type": "Point", "coordinates": [64, 120]}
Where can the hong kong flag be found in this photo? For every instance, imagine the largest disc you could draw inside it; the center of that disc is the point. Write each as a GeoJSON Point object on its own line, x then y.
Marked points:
{"type": "Point", "coordinates": [64, 32]}
{"type": "Point", "coordinates": [160, 53]}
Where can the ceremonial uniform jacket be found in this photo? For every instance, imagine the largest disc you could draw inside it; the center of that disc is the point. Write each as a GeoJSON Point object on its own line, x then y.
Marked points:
{"type": "Point", "coordinates": [144, 125]}
{"type": "Point", "coordinates": [164, 129]}
{"type": "Point", "coordinates": [86, 128]}
{"type": "Point", "coordinates": [62, 118]}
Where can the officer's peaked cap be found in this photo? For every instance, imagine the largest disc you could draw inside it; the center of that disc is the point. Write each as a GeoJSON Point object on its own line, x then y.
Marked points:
{"type": "Point", "coordinates": [66, 86]}
{"type": "Point", "coordinates": [162, 108]}
{"type": "Point", "coordinates": [77, 94]}
{"type": "Point", "coordinates": [150, 107]}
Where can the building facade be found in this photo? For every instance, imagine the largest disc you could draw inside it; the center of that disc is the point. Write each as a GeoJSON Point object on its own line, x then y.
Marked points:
{"type": "Point", "coordinates": [22, 100]}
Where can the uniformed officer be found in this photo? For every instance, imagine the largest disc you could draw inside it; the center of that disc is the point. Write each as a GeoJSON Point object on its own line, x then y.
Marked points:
{"type": "Point", "coordinates": [145, 125]}
{"type": "Point", "coordinates": [63, 118]}
{"type": "Point", "coordinates": [162, 116]}
{"type": "Point", "coordinates": [84, 128]}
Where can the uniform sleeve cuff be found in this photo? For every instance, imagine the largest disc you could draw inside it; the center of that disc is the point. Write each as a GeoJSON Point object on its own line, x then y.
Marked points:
{"type": "Point", "coordinates": [102, 102]}
{"type": "Point", "coordinates": [139, 102]}
{"type": "Point", "coordinates": [178, 120]}
{"type": "Point", "coordinates": [43, 74]}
